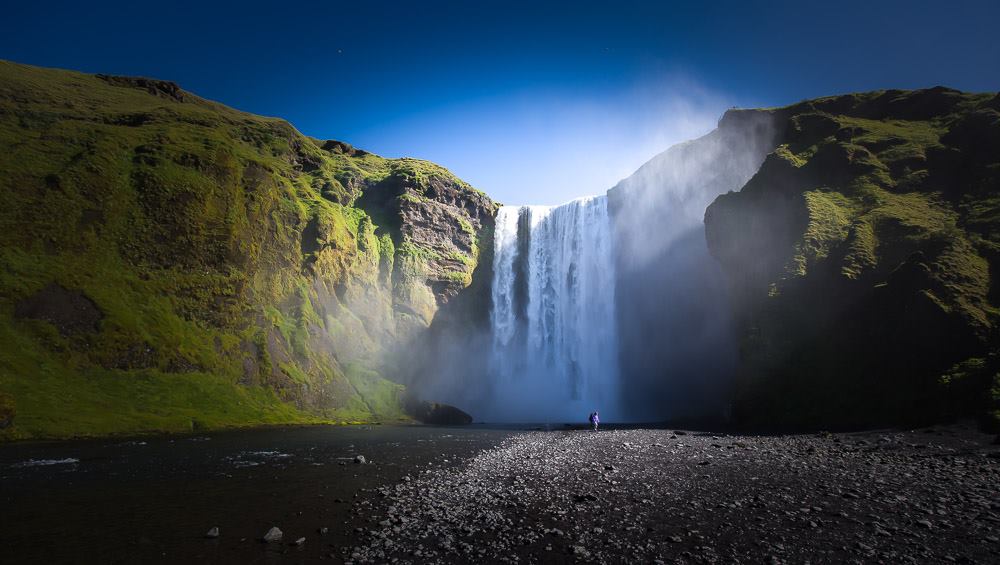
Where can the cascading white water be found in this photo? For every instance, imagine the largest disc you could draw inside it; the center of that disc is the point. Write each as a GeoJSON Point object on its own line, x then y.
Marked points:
{"type": "Point", "coordinates": [629, 316]}
{"type": "Point", "coordinates": [555, 341]}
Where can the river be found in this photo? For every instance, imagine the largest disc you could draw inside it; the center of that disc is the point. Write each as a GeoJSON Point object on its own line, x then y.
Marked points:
{"type": "Point", "coordinates": [153, 499]}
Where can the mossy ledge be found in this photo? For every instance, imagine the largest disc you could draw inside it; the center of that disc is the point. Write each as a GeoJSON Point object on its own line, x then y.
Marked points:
{"type": "Point", "coordinates": [864, 257]}
{"type": "Point", "coordinates": [169, 264]}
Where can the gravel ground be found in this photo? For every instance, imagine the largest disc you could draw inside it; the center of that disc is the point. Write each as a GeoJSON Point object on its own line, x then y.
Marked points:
{"type": "Point", "coordinates": [649, 496]}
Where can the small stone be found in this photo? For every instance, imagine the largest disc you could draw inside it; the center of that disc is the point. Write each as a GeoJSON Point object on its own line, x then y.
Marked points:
{"type": "Point", "coordinates": [300, 541]}
{"type": "Point", "coordinates": [213, 533]}
{"type": "Point", "coordinates": [323, 531]}
{"type": "Point", "coordinates": [273, 535]}
{"type": "Point", "coordinates": [360, 459]}
{"type": "Point", "coordinates": [925, 524]}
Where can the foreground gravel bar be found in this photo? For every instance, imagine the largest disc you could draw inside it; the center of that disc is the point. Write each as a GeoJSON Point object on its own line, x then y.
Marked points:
{"type": "Point", "coordinates": [661, 496]}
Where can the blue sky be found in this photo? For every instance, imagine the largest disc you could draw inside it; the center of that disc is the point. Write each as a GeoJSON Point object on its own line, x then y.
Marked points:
{"type": "Point", "coordinates": [533, 102]}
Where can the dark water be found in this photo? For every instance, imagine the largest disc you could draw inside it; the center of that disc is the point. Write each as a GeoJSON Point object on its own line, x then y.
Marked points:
{"type": "Point", "coordinates": [153, 499]}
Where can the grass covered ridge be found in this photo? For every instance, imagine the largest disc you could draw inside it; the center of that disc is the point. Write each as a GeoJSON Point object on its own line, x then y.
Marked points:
{"type": "Point", "coordinates": [168, 263]}
{"type": "Point", "coordinates": [864, 256]}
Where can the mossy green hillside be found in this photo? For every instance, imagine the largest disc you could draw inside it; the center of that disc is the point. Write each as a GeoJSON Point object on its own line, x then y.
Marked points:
{"type": "Point", "coordinates": [242, 273]}
{"type": "Point", "coordinates": [863, 255]}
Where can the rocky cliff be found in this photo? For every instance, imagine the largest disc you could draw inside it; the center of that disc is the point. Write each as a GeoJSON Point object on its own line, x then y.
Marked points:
{"type": "Point", "coordinates": [169, 263]}
{"type": "Point", "coordinates": [673, 314]}
{"type": "Point", "coordinates": [863, 261]}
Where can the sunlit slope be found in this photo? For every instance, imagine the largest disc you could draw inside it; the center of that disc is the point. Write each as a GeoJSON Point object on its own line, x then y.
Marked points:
{"type": "Point", "coordinates": [864, 257]}
{"type": "Point", "coordinates": [168, 263]}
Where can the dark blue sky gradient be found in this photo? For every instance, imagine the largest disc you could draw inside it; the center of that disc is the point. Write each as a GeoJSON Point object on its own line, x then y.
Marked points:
{"type": "Point", "coordinates": [532, 102]}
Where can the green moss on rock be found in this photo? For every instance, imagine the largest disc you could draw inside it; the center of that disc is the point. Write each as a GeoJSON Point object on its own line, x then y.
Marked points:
{"type": "Point", "coordinates": [237, 265]}
{"type": "Point", "coordinates": [863, 256]}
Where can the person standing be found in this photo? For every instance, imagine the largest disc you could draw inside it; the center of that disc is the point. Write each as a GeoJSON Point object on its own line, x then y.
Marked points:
{"type": "Point", "coordinates": [595, 419]}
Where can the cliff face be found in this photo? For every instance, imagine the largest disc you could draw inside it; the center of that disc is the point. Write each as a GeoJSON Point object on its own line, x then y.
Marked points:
{"type": "Point", "coordinates": [169, 263]}
{"type": "Point", "coordinates": [863, 261]}
{"type": "Point", "coordinates": [673, 314]}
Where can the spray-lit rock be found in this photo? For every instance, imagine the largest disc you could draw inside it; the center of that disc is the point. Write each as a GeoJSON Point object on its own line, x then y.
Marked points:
{"type": "Point", "coordinates": [675, 323]}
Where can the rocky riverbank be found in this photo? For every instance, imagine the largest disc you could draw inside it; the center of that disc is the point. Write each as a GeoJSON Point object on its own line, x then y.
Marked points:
{"type": "Point", "coordinates": [669, 496]}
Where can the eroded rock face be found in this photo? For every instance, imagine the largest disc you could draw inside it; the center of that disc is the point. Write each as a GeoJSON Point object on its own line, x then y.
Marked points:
{"type": "Point", "coordinates": [374, 292]}
{"type": "Point", "coordinates": [863, 257]}
{"type": "Point", "coordinates": [417, 253]}
{"type": "Point", "coordinates": [437, 224]}
{"type": "Point", "coordinates": [161, 88]}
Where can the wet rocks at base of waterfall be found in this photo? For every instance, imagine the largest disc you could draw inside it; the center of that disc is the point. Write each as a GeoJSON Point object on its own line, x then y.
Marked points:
{"type": "Point", "coordinates": [273, 535]}
{"type": "Point", "coordinates": [437, 414]}
{"type": "Point", "coordinates": [644, 496]}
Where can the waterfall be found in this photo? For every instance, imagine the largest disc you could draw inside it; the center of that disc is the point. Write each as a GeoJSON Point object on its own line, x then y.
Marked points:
{"type": "Point", "coordinates": [626, 313]}
{"type": "Point", "coordinates": [554, 336]}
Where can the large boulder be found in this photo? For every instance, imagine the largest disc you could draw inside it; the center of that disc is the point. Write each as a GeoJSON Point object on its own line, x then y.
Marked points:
{"type": "Point", "coordinates": [437, 414]}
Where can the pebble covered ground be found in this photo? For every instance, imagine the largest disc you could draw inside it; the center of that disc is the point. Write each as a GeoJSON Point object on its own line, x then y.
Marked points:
{"type": "Point", "coordinates": [661, 496]}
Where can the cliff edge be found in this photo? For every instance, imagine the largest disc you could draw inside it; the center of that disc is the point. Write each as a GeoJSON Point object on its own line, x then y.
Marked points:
{"type": "Point", "coordinates": [863, 261]}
